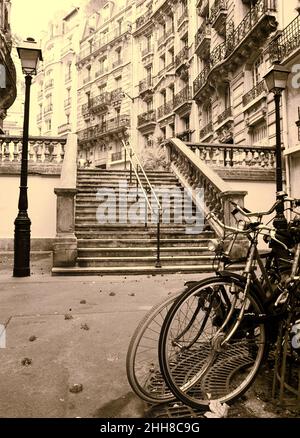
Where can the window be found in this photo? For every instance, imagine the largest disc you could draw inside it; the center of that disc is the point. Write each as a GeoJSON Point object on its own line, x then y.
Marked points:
{"type": "Point", "coordinates": [102, 88]}
{"type": "Point", "coordinates": [103, 65]}
{"type": "Point", "coordinates": [105, 13]}
{"type": "Point", "coordinates": [48, 125]}
{"type": "Point", "coordinates": [207, 114]}
{"type": "Point", "coordinates": [259, 133]}
{"type": "Point", "coordinates": [227, 97]}
{"type": "Point", "coordinates": [118, 81]}
{"type": "Point", "coordinates": [149, 105]}
{"type": "Point", "coordinates": [258, 70]}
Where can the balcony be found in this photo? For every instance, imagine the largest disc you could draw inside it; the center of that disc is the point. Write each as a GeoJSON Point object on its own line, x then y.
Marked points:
{"type": "Point", "coordinates": [207, 130]}
{"type": "Point", "coordinates": [184, 18]}
{"type": "Point", "coordinates": [144, 19]}
{"type": "Point", "coordinates": [40, 95]}
{"type": "Point", "coordinates": [254, 93]}
{"type": "Point", "coordinates": [163, 39]}
{"type": "Point", "coordinates": [68, 102]}
{"type": "Point", "coordinates": [202, 41]}
{"type": "Point", "coordinates": [147, 122]}
{"type": "Point", "coordinates": [67, 49]}
{"type": "Point", "coordinates": [182, 101]}
{"type": "Point", "coordinates": [116, 95]}
{"type": "Point", "coordinates": [145, 85]}
{"type": "Point", "coordinates": [112, 126]}
{"type": "Point", "coordinates": [64, 129]}
{"type": "Point", "coordinates": [117, 156]}
{"type": "Point", "coordinates": [49, 84]}
{"type": "Point", "coordinates": [48, 108]}
{"type": "Point", "coordinates": [229, 55]}
{"type": "Point", "coordinates": [202, 8]}
{"type": "Point", "coordinates": [225, 116]}
{"type": "Point", "coordinates": [39, 117]}
{"type": "Point", "coordinates": [100, 102]}
{"type": "Point", "coordinates": [181, 58]}
{"type": "Point", "coordinates": [165, 109]}
{"type": "Point", "coordinates": [147, 51]}
{"type": "Point", "coordinates": [218, 15]}
{"type": "Point", "coordinates": [286, 43]}
{"type": "Point", "coordinates": [117, 63]}
{"type": "Point", "coordinates": [101, 72]}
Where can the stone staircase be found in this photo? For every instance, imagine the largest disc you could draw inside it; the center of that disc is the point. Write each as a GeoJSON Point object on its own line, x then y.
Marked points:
{"type": "Point", "coordinates": [126, 248]}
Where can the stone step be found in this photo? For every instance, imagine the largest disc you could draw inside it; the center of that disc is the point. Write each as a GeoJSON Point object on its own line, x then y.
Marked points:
{"type": "Point", "coordinates": [117, 189]}
{"type": "Point", "coordinates": [144, 261]}
{"type": "Point", "coordinates": [136, 234]}
{"type": "Point", "coordinates": [100, 172]}
{"type": "Point", "coordinates": [136, 243]}
{"type": "Point", "coordinates": [132, 270]}
{"type": "Point", "coordinates": [141, 252]}
{"type": "Point", "coordinates": [165, 228]}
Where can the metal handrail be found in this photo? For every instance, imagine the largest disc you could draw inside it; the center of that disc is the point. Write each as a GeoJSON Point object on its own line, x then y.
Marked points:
{"type": "Point", "coordinates": [135, 168]}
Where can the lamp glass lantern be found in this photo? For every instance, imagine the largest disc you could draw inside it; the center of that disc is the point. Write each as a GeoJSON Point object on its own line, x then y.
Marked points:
{"type": "Point", "coordinates": [276, 78]}
{"type": "Point", "coordinates": [30, 55]}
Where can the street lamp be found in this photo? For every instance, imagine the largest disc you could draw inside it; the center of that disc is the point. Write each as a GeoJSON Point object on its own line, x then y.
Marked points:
{"type": "Point", "coordinates": [30, 55]}
{"type": "Point", "coordinates": [276, 81]}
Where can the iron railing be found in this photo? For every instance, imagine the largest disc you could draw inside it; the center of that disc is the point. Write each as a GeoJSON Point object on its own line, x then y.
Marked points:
{"type": "Point", "coordinates": [111, 125]}
{"type": "Point", "coordinates": [117, 63]}
{"type": "Point", "coordinates": [225, 115]}
{"type": "Point", "coordinates": [147, 117]}
{"type": "Point", "coordinates": [147, 51]}
{"type": "Point", "coordinates": [143, 19]}
{"type": "Point", "coordinates": [216, 9]}
{"type": "Point", "coordinates": [145, 84]}
{"type": "Point", "coordinates": [206, 130]}
{"type": "Point", "coordinates": [204, 31]}
{"type": "Point", "coordinates": [285, 43]}
{"type": "Point", "coordinates": [182, 56]}
{"type": "Point", "coordinates": [183, 96]}
{"type": "Point", "coordinates": [48, 108]}
{"type": "Point", "coordinates": [146, 189]}
{"type": "Point", "coordinates": [67, 102]}
{"type": "Point", "coordinates": [165, 109]}
{"type": "Point", "coordinates": [234, 39]}
{"type": "Point", "coordinates": [256, 91]}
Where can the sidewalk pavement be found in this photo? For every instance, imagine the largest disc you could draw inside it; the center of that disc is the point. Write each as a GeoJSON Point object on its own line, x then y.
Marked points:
{"type": "Point", "coordinates": [89, 349]}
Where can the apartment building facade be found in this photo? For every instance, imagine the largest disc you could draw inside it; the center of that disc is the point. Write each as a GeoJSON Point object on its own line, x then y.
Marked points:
{"type": "Point", "coordinates": [54, 96]}
{"type": "Point", "coordinates": [8, 89]}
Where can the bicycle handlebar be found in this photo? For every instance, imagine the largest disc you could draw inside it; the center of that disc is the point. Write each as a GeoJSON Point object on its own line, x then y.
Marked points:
{"type": "Point", "coordinates": [245, 212]}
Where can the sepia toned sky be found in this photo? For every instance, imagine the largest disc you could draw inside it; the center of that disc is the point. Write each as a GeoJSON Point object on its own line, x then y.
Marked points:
{"type": "Point", "coordinates": [30, 17]}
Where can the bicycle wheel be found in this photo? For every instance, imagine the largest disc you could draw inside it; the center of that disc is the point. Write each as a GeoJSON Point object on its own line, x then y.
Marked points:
{"type": "Point", "coordinates": [142, 364]}
{"type": "Point", "coordinates": [196, 365]}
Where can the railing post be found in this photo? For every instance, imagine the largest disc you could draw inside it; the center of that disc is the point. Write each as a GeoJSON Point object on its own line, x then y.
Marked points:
{"type": "Point", "coordinates": [158, 262]}
{"type": "Point", "coordinates": [65, 245]}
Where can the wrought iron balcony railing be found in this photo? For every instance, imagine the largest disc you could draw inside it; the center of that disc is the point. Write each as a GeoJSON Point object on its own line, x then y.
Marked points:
{"type": "Point", "coordinates": [165, 109]}
{"type": "Point", "coordinates": [226, 114]}
{"type": "Point", "coordinates": [108, 126]}
{"type": "Point", "coordinates": [165, 69]}
{"type": "Point", "coordinates": [218, 7]}
{"type": "Point", "coordinates": [64, 129]}
{"type": "Point", "coordinates": [101, 100]}
{"type": "Point", "coordinates": [183, 96]}
{"type": "Point", "coordinates": [145, 84]}
{"type": "Point", "coordinates": [182, 56]}
{"type": "Point", "coordinates": [166, 35]}
{"type": "Point", "coordinates": [143, 19]}
{"type": "Point", "coordinates": [147, 117]}
{"type": "Point", "coordinates": [49, 84]}
{"type": "Point", "coordinates": [235, 38]}
{"type": "Point", "coordinates": [204, 31]}
{"type": "Point", "coordinates": [208, 129]}
{"type": "Point", "coordinates": [286, 43]}
{"type": "Point", "coordinates": [39, 117]}
{"type": "Point", "coordinates": [117, 156]}
{"type": "Point", "coordinates": [256, 91]}
{"type": "Point", "coordinates": [101, 71]}
{"type": "Point", "coordinates": [116, 94]}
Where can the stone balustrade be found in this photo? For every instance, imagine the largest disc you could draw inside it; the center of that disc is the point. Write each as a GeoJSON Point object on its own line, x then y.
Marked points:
{"type": "Point", "coordinates": [41, 150]}
{"type": "Point", "coordinates": [195, 174]}
{"type": "Point", "coordinates": [236, 156]}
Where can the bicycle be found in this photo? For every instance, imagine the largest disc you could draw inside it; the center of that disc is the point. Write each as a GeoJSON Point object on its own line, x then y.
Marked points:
{"type": "Point", "coordinates": [212, 348]}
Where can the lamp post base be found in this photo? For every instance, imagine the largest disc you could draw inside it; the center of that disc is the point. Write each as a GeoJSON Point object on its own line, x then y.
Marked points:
{"type": "Point", "coordinates": [22, 246]}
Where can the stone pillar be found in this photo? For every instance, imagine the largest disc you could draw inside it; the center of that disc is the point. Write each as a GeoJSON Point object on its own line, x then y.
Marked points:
{"type": "Point", "coordinates": [65, 245]}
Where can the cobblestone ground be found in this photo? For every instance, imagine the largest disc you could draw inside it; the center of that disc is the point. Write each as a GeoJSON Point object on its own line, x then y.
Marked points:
{"type": "Point", "coordinates": [67, 339]}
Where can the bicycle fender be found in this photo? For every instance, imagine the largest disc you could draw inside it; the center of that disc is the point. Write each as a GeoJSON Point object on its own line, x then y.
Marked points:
{"type": "Point", "coordinates": [258, 292]}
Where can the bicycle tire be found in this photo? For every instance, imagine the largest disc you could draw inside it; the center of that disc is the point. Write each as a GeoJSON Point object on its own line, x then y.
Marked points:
{"type": "Point", "coordinates": [214, 369]}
